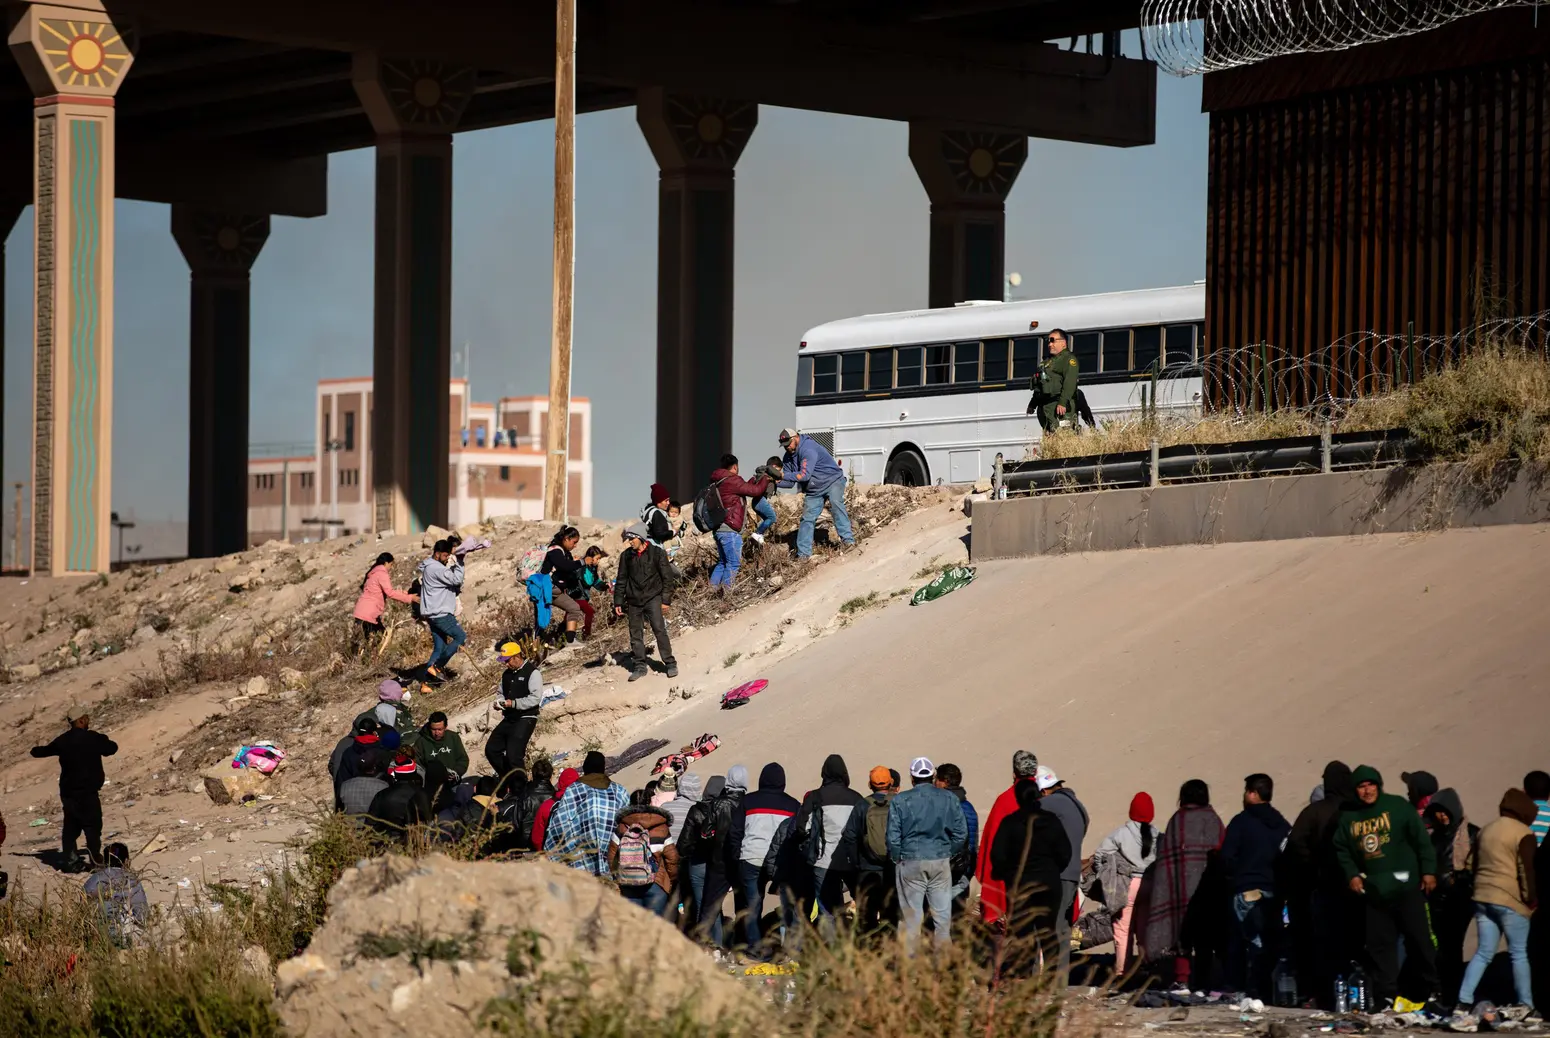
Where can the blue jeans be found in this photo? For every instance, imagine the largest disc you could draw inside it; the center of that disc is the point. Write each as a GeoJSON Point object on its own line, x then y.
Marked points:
{"type": "Point", "coordinates": [834, 494]}
{"type": "Point", "coordinates": [1246, 943]}
{"type": "Point", "coordinates": [447, 636]}
{"type": "Point", "coordinates": [729, 549]}
{"type": "Point", "coordinates": [1492, 921]}
{"type": "Point", "coordinates": [922, 883]}
{"type": "Point", "coordinates": [748, 896]}
{"type": "Point", "coordinates": [650, 897]}
{"type": "Point", "coordinates": [766, 513]}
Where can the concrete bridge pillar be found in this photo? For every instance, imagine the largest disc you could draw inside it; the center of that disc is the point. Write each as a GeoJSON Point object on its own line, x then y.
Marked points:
{"type": "Point", "coordinates": [697, 142]}
{"type": "Point", "coordinates": [74, 61]}
{"type": "Point", "coordinates": [414, 106]}
{"type": "Point", "coordinates": [220, 249]}
{"type": "Point", "coordinates": [967, 175]}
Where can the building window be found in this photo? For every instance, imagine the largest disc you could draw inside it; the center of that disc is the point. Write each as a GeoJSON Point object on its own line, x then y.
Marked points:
{"type": "Point", "coordinates": [264, 482]}
{"type": "Point", "coordinates": [306, 481]}
{"type": "Point", "coordinates": [505, 473]}
{"type": "Point", "coordinates": [349, 477]}
{"type": "Point", "coordinates": [349, 430]}
{"type": "Point", "coordinates": [328, 429]}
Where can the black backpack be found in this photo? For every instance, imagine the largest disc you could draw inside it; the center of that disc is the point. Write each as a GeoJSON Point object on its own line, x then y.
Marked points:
{"type": "Point", "coordinates": [709, 512]}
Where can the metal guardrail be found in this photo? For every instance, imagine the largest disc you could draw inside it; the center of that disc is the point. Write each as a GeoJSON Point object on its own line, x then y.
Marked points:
{"type": "Point", "coordinates": [1183, 463]}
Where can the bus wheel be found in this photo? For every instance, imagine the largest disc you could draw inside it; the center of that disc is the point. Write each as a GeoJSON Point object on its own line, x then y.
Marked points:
{"type": "Point", "coordinates": [907, 469]}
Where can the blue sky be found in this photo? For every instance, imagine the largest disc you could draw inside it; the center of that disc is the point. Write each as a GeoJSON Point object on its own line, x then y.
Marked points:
{"type": "Point", "coordinates": [831, 222]}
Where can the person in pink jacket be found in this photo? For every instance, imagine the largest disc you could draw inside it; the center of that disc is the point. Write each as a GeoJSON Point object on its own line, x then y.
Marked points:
{"type": "Point", "coordinates": [376, 589]}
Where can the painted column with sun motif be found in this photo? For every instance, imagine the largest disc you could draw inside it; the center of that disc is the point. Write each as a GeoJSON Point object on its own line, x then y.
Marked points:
{"type": "Point", "coordinates": [967, 175]}
{"type": "Point", "coordinates": [414, 106]}
{"type": "Point", "coordinates": [697, 142]}
{"type": "Point", "coordinates": [74, 61]}
{"type": "Point", "coordinates": [220, 248]}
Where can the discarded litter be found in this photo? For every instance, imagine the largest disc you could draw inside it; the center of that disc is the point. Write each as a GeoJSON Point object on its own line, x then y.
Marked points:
{"type": "Point", "coordinates": [36, 821]}
{"type": "Point", "coordinates": [947, 582]}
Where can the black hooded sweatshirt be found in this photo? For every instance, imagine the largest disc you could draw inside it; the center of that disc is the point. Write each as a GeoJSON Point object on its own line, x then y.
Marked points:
{"type": "Point", "coordinates": [1449, 870]}
{"type": "Point", "coordinates": [825, 818]}
{"type": "Point", "coordinates": [1031, 848]}
{"type": "Point", "coordinates": [1251, 847]}
{"type": "Point", "coordinates": [1311, 845]}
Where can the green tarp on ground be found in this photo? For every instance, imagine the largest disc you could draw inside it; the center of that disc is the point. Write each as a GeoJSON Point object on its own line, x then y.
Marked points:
{"type": "Point", "coordinates": [950, 580]}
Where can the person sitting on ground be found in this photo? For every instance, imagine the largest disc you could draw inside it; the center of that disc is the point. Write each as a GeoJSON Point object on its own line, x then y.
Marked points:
{"type": "Point", "coordinates": [531, 797]}
{"type": "Point", "coordinates": [562, 568]}
{"type": "Point", "coordinates": [659, 528]}
{"type": "Point", "coordinates": [441, 581]}
{"type": "Point", "coordinates": [732, 488]}
{"type": "Point", "coordinates": [120, 897]}
{"type": "Point", "coordinates": [540, 831]}
{"type": "Point", "coordinates": [641, 855]}
{"type": "Point", "coordinates": [1249, 854]}
{"type": "Point", "coordinates": [392, 709]}
{"type": "Point", "coordinates": [1026, 857]}
{"type": "Point", "coordinates": [521, 696]}
{"type": "Point", "coordinates": [762, 507]}
{"type": "Point", "coordinates": [376, 589]}
{"type": "Point", "coordinates": [1127, 852]}
{"type": "Point", "coordinates": [404, 803]}
{"type": "Point", "coordinates": [643, 591]}
{"type": "Point", "coordinates": [1506, 895]}
{"type": "Point", "coordinates": [436, 741]}
{"type": "Point", "coordinates": [356, 756]}
{"type": "Point", "coordinates": [950, 778]}
{"type": "Point", "coordinates": [80, 751]}
{"type": "Point", "coordinates": [582, 823]}
{"type": "Point", "coordinates": [357, 792]}
{"type": "Point", "coordinates": [592, 582]}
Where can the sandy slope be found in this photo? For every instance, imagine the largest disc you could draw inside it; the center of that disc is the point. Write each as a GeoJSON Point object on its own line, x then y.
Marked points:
{"type": "Point", "coordinates": [1137, 670]}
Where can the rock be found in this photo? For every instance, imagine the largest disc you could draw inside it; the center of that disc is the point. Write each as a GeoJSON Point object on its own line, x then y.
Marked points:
{"type": "Point", "coordinates": [498, 913]}
{"type": "Point", "coordinates": [256, 961]}
{"type": "Point", "coordinates": [245, 581]}
{"type": "Point", "coordinates": [153, 845]}
{"type": "Point", "coordinates": [82, 638]}
{"type": "Point", "coordinates": [174, 756]}
{"type": "Point", "coordinates": [256, 686]}
{"type": "Point", "coordinates": [433, 534]}
{"type": "Point", "coordinates": [143, 635]}
{"type": "Point", "coordinates": [26, 671]}
{"type": "Point", "coordinates": [777, 581]}
{"type": "Point", "coordinates": [227, 564]}
{"type": "Point", "coordinates": [292, 678]}
{"type": "Point", "coordinates": [228, 785]}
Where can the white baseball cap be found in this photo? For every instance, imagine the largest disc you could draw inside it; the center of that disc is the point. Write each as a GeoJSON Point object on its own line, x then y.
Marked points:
{"type": "Point", "coordinates": [922, 768]}
{"type": "Point", "coordinates": [1044, 778]}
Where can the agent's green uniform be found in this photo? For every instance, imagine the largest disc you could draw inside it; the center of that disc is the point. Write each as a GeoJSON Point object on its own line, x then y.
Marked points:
{"type": "Point", "coordinates": [1057, 387]}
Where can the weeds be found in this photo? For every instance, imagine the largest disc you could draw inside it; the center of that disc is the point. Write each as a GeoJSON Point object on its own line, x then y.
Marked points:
{"type": "Point", "coordinates": [731, 659]}
{"type": "Point", "coordinates": [859, 604]}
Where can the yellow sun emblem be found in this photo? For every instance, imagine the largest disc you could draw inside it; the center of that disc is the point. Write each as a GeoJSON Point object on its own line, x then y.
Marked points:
{"type": "Point", "coordinates": [83, 53]}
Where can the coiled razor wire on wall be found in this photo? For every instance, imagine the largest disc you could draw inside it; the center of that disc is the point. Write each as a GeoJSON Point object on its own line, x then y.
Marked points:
{"type": "Point", "coordinates": [1189, 37]}
{"type": "Point", "coordinates": [1258, 378]}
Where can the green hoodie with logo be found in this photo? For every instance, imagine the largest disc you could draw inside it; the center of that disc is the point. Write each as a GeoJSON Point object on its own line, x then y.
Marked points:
{"type": "Point", "coordinates": [1383, 842]}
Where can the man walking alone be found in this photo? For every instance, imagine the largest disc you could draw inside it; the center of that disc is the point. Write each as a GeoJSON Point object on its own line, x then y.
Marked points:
{"type": "Point", "coordinates": [926, 828]}
{"type": "Point", "coordinates": [643, 591]}
{"type": "Point", "coordinates": [80, 751]}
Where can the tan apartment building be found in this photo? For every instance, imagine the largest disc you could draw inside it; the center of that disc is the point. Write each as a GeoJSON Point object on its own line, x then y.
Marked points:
{"type": "Point", "coordinates": [496, 459]}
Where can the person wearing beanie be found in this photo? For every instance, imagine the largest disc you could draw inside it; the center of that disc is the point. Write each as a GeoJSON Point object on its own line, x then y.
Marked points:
{"type": "Point", "coordinates": [992, 894]}
{"type": "Point", "coordinates": [362, 755]}
{"type": "Point", "coordinates": [392, 708]}
{"type": "Point", "coordinates": [404, 803]}
{"type": "Point", "coordinates": [830, 849]}
{"type": "Point", "coordinates": [1390, 865]}
{"type": "Point", "coordinates": [1318, 900]}
{"type": "Point", "coordinates": [581, 826]}
{"type": "Point", "coordinates": [1126, 854]}
{"type": "Point", "coordinates": [763, 812]}
{"type": "Point", "coordinates": [926, 828]}
{"type": "Point", "coordinates": [643, 592]}
{"type": "Point", "coordinates": [1505, 894]}
{"type": "Point", "coordinates": [713, 840]}
{"type": "Point", "coordinates": [659, 529]}
{"type": "Point", "coordinates": [1249, 855]}
{"type": "Point", "coordinates": [80, 751]}
{"type": "Point", "coordinates": [877, 899]}
{"type": "Point", "coordinates": [666, 789]}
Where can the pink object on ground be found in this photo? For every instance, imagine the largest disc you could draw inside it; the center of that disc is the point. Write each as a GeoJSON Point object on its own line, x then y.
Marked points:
{"type": "Point", "coordinates": [742, 693]}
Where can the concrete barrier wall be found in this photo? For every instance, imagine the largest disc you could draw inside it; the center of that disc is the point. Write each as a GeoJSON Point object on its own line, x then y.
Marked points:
{"type": "Point", "coordinates": [1434, 497]}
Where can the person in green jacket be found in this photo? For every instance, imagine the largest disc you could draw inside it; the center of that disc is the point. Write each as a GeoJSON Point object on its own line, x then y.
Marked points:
{"type": "Point", "coordinates": [437, 742]}
{"type": "Point", "coordinates": [1388, 859]}
{"type": "Point", "coordinates": [1054, 390]}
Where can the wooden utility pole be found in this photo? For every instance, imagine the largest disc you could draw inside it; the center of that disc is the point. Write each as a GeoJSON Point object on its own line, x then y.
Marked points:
{"type": "Point", "coordinates": [556, 469]}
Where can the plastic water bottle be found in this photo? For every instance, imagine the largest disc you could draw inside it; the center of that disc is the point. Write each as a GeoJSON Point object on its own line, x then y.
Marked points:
{"type": "Point", "coordinates": [1358, 983]}
{"type": "Point", "coordinates": [1285, 983]}
{"type": "Point", "coordinates": [1342, 995]}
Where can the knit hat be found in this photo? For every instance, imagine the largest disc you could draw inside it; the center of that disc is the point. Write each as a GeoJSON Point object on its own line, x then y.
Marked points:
{"type": "Point", "coordinates": [922, 768]}
{"type": "Point", "coordinates": [737, 777]}
{"type": "Point", "coordinates": [390, 691]}
{"type": "Point", "coordinates": [690, 786]}
{"type": "Point", "coordinates": [403, 766]}
{"type": "Point", "coordinates": [391, 739]}
{"type": "Point", "coordinates": [1024, 764]}
{"type": "Point", "coordinates": [636, 530]}
{"type": "Point", "coordinates": [668, 783]}
{"type": "Point", "coordinates": [879, 778]}
{"type": "Point", "coordinates": [594, 763]}
{"type": "Point", "coordinates": [1044, 778]}
{"type": "Point", "coordinates": [659, 493]}
{"type": "Point", "coordinates": [1141, 809]}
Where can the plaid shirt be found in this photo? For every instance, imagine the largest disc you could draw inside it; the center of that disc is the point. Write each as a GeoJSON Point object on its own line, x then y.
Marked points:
{"type": "Point", "coordinates": [582, 824]}
{"type": "Point", "coordinates": [357, 793]}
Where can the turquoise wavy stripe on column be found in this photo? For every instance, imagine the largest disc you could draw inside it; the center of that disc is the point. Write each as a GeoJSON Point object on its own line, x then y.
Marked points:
{"type": "Point", "coordinates": [81, 504]}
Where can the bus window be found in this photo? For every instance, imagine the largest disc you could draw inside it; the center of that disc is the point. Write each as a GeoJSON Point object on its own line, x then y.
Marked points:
{"type": "Point", "coordinates": [1025, 356]}
{"type": "Point", "coordinates": [852, 372]}
{"type": "Point", "coordinates": [1147, 346]}
{"type": "Point", "coordinates": [826, 373]}
{"type": "Point", "coordinates": [966, 362]}
{"type": "Point", "coordinates": [879, 370]}
{"type": "Point", "coordinates": [1116, 349]}
{"type": "Point", "coordinates": [804, 379]}
{"type": "Point", "coordinates": [1180, 340]}
{"type": "Point", "coordinates": [995, 360]}
{"type": "Point", "coordinates": [1200, 339]}
{"type": "Point", "coordinates": [909, 366]}
{"type": "Point", "coordinates": [937, 367]}
{"type": "Point", "coordinates": [1084, 347]}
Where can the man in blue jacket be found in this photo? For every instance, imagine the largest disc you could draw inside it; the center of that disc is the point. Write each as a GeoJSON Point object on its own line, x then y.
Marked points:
{"type": "Point", "coordinates": [1253, 843]}
{"type": "Point", "coordinates": [926, 828]}
{"type": "Point", "coordinates": [813, 470]}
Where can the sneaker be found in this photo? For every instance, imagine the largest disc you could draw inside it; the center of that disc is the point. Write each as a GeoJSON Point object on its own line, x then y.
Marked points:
{"type": "Point", "coordinates": [758, 538]}
{"type": "Point", "coordinates": [672, 670]}
{"type": "Point", "coordinates": [638, 673]}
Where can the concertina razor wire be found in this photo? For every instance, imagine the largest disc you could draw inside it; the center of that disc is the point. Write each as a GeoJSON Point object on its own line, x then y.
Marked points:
{"type": "Point", "coordinates": [1190, 37]}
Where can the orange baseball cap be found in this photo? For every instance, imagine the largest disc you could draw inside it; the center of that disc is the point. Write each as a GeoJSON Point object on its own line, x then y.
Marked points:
{"type": "Point", "coordinates": [880, 778]}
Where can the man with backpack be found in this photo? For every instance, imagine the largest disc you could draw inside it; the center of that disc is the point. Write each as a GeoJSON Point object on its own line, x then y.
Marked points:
{"type": "Point", "coordinates": [642, 857]}
{"type": "Point", "coordinates": [926, 828]}
{"type": "Point", "coordinates": [813, 470]}
{"type": "Point", "coordinates": [719, 510]}
{"type": "Point", "coordinates": [643, 591]}
{"type": "Point", "coordinates": [876, 904]}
